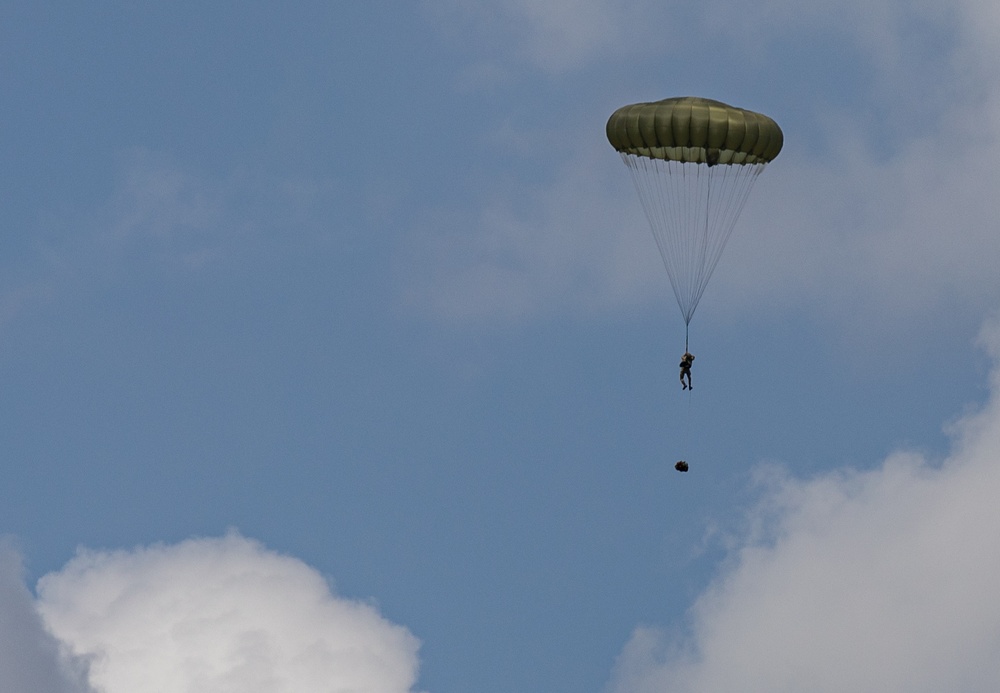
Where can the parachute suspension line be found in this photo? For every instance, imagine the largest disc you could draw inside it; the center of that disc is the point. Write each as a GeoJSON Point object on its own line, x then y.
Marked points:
{"type": "Point", "coordinates": [692, 209]}
{"type": "Point", "coordinates": [726, 191]}
{"type": "Point", "coordinates": [665, 207]}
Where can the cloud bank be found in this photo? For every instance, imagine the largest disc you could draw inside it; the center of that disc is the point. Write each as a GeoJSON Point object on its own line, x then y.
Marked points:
{"type": "Point", "coordinates": [879, 581]}
{"type": "Point", "coordinates": [223, 615]}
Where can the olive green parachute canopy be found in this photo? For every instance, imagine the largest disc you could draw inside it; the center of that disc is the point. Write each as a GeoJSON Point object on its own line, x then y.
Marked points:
{"type": "Point", "coordinates": [693, 162]}
{"type": "Point", "coordinates": [696, 130]}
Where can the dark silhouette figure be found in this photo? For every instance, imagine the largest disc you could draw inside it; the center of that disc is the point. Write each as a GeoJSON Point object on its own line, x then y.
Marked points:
{"type": "Point", "coordinates": [686, 362]}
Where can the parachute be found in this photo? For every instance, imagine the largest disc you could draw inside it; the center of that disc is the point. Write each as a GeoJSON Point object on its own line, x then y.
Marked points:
{"type": "Point", "coordinates": [693, 162]}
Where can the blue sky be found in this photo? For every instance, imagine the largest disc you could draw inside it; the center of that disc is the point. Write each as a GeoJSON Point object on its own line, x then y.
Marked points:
{"type": "Point", "coordinates": [335, 348]}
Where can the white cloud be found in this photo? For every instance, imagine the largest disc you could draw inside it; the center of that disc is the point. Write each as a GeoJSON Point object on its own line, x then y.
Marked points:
{"type": "Point", "coordinates": [222, 615]}
{"type": "Point", "coordinates": [30, 658]}
{"type": "Point", "coordinates": [883, 580]}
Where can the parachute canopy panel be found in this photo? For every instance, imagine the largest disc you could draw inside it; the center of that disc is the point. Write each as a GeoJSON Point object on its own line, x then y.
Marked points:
{"type": "Point", "coordinates": [691, 129]}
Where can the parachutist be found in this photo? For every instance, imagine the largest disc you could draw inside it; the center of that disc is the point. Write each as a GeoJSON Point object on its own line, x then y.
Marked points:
{"type": "Point", "coordinates": [686, 361]}
{"type": "Point", "coordinates": [681, 466]}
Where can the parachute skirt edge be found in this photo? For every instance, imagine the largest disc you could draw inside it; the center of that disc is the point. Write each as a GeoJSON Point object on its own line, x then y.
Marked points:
{"type": "Point", "coordinates": [694, 129]}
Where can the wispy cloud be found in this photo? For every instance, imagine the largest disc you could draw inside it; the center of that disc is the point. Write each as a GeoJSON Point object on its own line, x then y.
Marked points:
{"type": "Point", "coordinates": [553, 36]}
{"type": "Point", "coordinates": [159, 204]}
{"type": "Point", "coordinates": [158, 218]}
{"type": "Point", "coordinates": [161, 219]}
{"type": "Point", "coordinates": [883, 580]}
{"type": "Point", "coordinates": [529, 252]}
{"type": "Point", "coordinates": [221, 614]}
